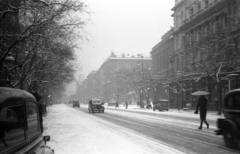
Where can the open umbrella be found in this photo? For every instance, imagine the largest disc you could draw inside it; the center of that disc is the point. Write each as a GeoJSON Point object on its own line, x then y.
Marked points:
{"type": "Point", "coordinates": [199, 93]}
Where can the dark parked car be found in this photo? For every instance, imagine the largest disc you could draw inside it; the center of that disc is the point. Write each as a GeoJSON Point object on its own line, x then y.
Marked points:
{"type": "Point", "coordinates": [21, 123]}
{"type": "Point", "coordinates": [162, 104]}
{"type": "Point", "coordinates": [229, 127]}
{"type": "Point", "coordinates": [95, 105]}
{"type": "Point", "coordinates": [76, 103]}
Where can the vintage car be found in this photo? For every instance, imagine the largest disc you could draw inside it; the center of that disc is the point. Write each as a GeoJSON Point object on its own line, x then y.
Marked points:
{"type": "Point", "coordinates": [162, 104]}
{"type": "Point", "coordinates": [95, 105]}
{"type": "Point", "coordinates": [21, 123]}
{"type": "Point", "coordinates": [229, 126]}
{"type": "Point", "coordinates": [76, 103]}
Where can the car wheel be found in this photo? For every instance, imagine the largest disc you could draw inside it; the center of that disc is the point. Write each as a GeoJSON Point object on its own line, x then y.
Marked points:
{"type": "Point", "coordinates": [102, 111]}
{"type": "Point", "coordinates": [92, 111]}
{"type": "Point", "coordinates": [229, 137]}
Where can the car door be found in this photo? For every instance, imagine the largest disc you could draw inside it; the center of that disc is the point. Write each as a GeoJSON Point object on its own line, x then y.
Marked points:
{"type": "Point", "coordinates": [20, 127]}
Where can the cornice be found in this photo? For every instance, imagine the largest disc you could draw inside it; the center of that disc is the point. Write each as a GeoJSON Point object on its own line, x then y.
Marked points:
{"type": "Point", "coordinates": [154, 49]}
{"type": "Point", "coordinates": [177, 5]}
{"type": "Point", "coordinates": [202, 16]}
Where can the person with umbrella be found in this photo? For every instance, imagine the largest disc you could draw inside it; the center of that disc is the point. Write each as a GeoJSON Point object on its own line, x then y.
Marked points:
{"type": "Point", "coordinates": [202, 106]}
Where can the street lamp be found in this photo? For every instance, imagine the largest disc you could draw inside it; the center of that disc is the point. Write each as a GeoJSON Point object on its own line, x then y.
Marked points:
{"type": "Point", "coordinates": [9, 59]}
{"type": "Point", "coordinates": [8, 62]}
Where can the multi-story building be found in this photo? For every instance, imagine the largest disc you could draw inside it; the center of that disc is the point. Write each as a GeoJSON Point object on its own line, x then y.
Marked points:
{"type": "Point", "coordinates": [162, 65]}
{"type": "Point", "coordinates": [112, 81]}
{"type": "Point", "coordinates": [113, 76]}
{"type": "Point", "coordinates": [195, 23]}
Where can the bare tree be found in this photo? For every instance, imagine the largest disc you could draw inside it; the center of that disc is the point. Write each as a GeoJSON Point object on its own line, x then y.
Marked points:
{"type": "Point", "coordinates": [42, 45]}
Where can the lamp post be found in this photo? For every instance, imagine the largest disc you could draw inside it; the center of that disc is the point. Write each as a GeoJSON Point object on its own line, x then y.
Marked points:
{"type": "Point", "coordinates": [8, 62]}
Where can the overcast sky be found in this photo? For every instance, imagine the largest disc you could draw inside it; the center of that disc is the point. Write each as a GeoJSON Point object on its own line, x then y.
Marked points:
{"type": "Point", "coordinates": [123, 26]}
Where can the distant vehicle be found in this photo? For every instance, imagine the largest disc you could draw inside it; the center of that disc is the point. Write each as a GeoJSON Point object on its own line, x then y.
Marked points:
{"type": "Point", "coordinates": [162, 104]}
{"type": "Point", "coordinates": [21, 123]}
{"type": "Point", "coordinates": [229, 126]}
{"type": "Point", "coordinates": [95, 105]}
{"type": "Point", "coordinates": [76, 103]}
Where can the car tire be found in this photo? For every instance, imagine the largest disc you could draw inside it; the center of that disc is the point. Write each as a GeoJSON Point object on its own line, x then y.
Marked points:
{"type": "Point", "coordinates": [229, 136]}
{"type": "Point", "coordinates": [102, 111]}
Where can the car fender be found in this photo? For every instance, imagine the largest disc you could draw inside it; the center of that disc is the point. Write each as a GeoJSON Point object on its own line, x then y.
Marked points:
{"type": "Point", "coordinates": [48, 150]}
{"type": "Point", "coordinates": [233, 125]}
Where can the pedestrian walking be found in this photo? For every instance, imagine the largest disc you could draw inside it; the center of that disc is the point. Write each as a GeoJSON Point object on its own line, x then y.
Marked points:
{"type": "Point", "coordinates": [117, 106]}
{"type": "Point", "coordinates": [202, 106]}
{"type": "Point", "coordinates": [126, 103]}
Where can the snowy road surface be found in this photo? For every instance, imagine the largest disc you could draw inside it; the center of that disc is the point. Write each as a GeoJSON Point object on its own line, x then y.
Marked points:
{"type": "Point", "coordinates": [74, 130]}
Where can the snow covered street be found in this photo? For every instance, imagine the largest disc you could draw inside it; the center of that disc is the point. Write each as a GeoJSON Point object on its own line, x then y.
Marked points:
{"type": "Point", "coordinates": [74, 132]}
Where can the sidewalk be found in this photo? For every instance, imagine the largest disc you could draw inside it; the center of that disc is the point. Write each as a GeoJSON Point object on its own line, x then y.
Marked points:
{"type": "Point", "coordinates": [211, 115]}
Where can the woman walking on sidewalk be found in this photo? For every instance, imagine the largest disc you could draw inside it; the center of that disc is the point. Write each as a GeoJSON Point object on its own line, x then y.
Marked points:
{"type": "Point", "coordinates": [202, 106]}
{"type": "Point", "coordinates": [117, 105]}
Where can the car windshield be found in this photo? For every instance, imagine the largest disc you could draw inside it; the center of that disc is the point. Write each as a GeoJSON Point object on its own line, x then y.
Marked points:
{"type": "Point", "coordinates": [96, 102]}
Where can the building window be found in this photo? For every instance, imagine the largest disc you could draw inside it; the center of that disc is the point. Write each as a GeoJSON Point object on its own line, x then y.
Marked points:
{"type": "Point", "coordinates": [181, 18]}
{"type": "Point", "coordinates": [198, 6]}
{"type": "Point", "coordinates": [197, 35]}
{"type": "Point", "coordinates": [191, 11]}
{"type": "Point", "coordinates": [235, 16]}
{"type": "Point", "coordinates": [206, 2]}
{"type": "Point", "coordinates": [224, 21]}
{"type": "Point", "coordinates": [176, 21]}
{"type": "Point", "coordinates": [214, 27]}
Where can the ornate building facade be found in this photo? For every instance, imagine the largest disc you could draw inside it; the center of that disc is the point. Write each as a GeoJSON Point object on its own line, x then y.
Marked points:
{"type": "Point", "coordinates": [202, 41]}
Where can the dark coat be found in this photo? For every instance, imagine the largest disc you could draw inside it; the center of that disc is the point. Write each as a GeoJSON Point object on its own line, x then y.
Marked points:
{"type": "Point", "coordinates": [202, 106]}
{"type": "Point", "coordinates": [117, 104]}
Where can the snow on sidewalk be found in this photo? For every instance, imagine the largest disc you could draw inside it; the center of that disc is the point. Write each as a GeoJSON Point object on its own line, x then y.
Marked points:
{"type": "Point", "coordinates": [75, 132]}
{"type": "Point", "coordinates": [211, 115]}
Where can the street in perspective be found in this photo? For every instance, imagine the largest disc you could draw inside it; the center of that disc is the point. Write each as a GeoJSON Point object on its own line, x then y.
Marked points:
{"type": "Point", "coordinates": [131, 131]}
{"type": "Point", "coordinates": [119, 77]}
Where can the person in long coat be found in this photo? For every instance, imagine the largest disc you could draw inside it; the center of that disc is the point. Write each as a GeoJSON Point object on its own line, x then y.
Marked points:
{"type": "Point", "coordinates": [202, 106]}
{"type": "Point", "coordinates": [117, 105]}
{"type": "Point", "coordinates": [126, 103]}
